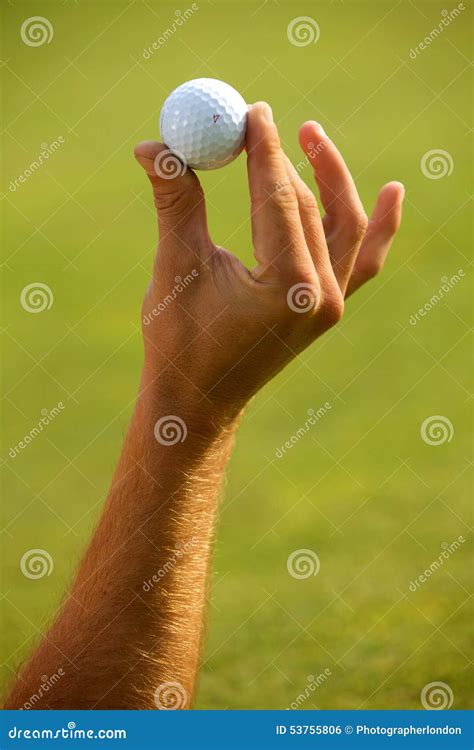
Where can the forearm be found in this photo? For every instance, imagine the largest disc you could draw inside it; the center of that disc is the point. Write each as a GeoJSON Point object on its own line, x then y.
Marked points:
{"type": "Point", "coordinates": [133, 618]}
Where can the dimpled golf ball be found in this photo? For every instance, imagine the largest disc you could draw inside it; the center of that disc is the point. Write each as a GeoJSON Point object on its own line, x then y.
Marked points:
{"type": "Point", "coordinates": [204, 122]}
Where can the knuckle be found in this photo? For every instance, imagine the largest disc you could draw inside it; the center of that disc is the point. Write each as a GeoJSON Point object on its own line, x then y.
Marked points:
{"type": "Point", "coordinates": [358, 225]}
{"type": "Point", "coordinates": [302, 297]}
{"type": "Point", "coordinates": [270, 146]}
{"type": "Point", "coordinates": [332, 307]}
{"type": "Point", "coordinates": [267, 152]}
{"type": "Point", "coordinates": [307, 201]}
{"type": "Point", "coordinates": [370, 268]}
{"type": "Point", "coordinates": [284, 197]}
{"type": "Point", "coordinates": [176, 202]}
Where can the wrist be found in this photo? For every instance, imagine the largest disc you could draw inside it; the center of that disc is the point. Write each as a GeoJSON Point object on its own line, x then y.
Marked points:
{"type": "Point", "coordinates": [171, 438]}
{"type": "Point", "coordinates": [177, 411]}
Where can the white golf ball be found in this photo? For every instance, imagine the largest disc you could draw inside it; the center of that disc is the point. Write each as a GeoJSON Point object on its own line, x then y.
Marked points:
{"type": "Point", "coordinates": [204, 122]}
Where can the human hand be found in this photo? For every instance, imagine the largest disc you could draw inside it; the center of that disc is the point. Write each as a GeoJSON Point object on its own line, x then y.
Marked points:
{"type": "Point", "coordinates": [214, 331]}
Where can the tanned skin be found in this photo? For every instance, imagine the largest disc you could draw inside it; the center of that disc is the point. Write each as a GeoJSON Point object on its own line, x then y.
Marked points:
{"type": "Point", "coordinates": [119, 644]}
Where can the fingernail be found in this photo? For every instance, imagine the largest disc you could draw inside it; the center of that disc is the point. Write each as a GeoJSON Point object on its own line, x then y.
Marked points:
{"type": "Point", "coordinates": [268, 114]}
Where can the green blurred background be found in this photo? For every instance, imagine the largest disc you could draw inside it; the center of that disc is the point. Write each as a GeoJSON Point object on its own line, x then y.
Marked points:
{"type": "Point", "coordinates": [362, 490]}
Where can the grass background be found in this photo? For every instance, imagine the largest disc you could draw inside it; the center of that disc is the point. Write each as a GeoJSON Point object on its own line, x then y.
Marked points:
{"type": "Point", "coordinates": [362, 489]}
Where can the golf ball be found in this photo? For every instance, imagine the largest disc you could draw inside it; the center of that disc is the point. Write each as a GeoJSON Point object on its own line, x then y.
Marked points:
{"type": "Point", "coordinates": [204, 122]}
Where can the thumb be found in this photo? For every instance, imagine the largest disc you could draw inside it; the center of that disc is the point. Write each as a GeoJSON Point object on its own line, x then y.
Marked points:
{"type": "Point", "coordinates": [178, 196]}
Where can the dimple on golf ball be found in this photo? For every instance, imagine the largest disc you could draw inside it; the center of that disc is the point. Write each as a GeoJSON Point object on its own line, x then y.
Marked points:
{"type": "Point", "coordinates": [204, 122]}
